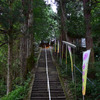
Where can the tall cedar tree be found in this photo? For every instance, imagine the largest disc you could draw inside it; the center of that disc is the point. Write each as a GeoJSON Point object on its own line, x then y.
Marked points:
{"type": "Point", "coordinates": [89, 39]}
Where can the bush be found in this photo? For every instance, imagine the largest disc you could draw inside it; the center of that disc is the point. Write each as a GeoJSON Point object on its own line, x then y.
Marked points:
{"type": "Point", "coordinates": [19, 93]}
{"type": "Point", "coordinates": [2, 87]}
{"type": "Point", "coordinates": [92, 91]}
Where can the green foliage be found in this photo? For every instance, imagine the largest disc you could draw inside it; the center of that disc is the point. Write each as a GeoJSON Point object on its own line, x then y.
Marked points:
{"type": "Point", "coordinates": [8, 14]}
{"type": "Point", "coordinates": [92, 91]}
{"type": "Point", "coordinates": [19, 93]}
{"type": "Point", "coordinates": [2, 87]}
{"type": "Point", "coordinates": [3, 64]}
{"type": "Point", "coordinates": [75, 22]}
{"type": "Point", "coordinates": [30, 62]}
{"type": "Point", "coordinates": [95, 20]}
{"type": "Point", "coordinates": [14, 95]}
{"type": "Point", "coordinates": [44, 18]}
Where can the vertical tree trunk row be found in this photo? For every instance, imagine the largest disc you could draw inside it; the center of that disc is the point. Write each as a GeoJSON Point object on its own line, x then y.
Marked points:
{"type": "Point", "coordinates": [26, 43]}
{"type": "Point", "coordinates": [26, 39]}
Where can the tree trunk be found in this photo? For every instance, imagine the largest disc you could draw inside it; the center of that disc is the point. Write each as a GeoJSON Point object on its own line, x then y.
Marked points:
{"type": "Point", "coordinates": [10, 52]}
{"type": "Point", "coordinates": [25, 48]}
{"type": "Point", "coordinates": [9, 67]}
{"type": "Point", "coordinates": [89, 39]}
{"type": "Point", "coordinates": [64, 36]}
{"type": "Point", "coordinates": [23, 56]}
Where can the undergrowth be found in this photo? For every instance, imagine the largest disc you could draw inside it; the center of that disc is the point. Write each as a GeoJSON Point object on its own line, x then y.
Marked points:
{"type": "Point", "coordinates": [20, 92]}
{"type": "Point", "coordinates": [92, 90]}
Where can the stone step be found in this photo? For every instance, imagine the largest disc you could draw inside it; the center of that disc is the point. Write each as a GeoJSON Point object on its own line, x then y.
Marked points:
{"type": "Point", "coordinates": [45, 93]}
{"type": "Point", "coordinates": [47, 98]}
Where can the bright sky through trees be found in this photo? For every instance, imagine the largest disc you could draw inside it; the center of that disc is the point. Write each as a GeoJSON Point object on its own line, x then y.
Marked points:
{"type": "Point", "coordinates": [53, 5]}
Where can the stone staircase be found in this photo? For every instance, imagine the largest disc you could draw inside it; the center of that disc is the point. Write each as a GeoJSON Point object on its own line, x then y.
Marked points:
{"type": "Point", "coordinates": [40, 90]}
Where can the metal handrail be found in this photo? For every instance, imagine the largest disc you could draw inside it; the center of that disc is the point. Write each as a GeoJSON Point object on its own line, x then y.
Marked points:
{"type": "Point", "coordinates": [48, 84]}
{"type": "Point", "coordinates": [81, 73]}
{"type": "Point", "coordinates": [70, 44]}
